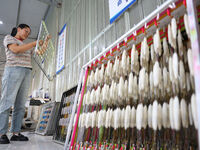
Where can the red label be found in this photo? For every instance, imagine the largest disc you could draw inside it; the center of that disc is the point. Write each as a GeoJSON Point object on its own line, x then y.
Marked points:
{"type": "Point", "coordinates": [168, 12]}
{"type": "Point", "coordinates": [143, 30]}
{"type": "Point", "coordinates": [156, 23]}
{"type": "Point", "coordinates": [184, 3]}
{"type": "Point", "coordinates": [134, 37]}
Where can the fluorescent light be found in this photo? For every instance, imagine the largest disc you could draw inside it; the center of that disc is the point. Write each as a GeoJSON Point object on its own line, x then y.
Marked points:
{"type": "Point", "coordinates": [1, 22]}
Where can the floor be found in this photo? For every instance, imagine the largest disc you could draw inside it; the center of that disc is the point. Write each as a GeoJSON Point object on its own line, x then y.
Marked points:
{"type": "Point", "coordinates": [36, 142]}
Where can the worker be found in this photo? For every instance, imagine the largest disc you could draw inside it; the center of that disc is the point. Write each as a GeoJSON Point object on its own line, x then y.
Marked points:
{"type": "Point", "coordinates": [15, 82]}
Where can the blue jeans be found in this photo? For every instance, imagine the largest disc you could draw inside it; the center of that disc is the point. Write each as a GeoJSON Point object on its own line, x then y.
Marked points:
{"type": "Point", "coordinates": [15, 86]}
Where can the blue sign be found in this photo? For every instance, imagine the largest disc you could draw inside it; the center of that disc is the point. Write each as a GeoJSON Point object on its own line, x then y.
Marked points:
{"type": "Point", "coordinates": [61, 50]}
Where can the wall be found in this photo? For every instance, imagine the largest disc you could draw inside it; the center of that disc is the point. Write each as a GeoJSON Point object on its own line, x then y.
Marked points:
{"type": "Point", "coordinates": [2, 59]}
{"type": "Point", "coordinates": [39, 80]}
{"type": "Point", "coordinates": [88, 33]}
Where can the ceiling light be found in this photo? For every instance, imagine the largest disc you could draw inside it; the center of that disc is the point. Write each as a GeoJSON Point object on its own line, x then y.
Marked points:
{"type": "Point", "coordinates": [1, 22]}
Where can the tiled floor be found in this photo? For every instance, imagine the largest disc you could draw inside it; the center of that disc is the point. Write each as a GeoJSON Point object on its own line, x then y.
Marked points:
{"type": "Point", "coordinates": [36, 142]}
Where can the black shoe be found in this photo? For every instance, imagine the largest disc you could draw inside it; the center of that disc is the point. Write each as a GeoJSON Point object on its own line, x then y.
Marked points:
{"type": "Point", "coordinates": [4, 139]}
{"type": "Point", "coordinates": [19, 137]}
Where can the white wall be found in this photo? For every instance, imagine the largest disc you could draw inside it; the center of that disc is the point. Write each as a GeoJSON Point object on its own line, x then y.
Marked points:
{"type": "Point", "coordinates": [86, 23]}
{"type": "Point", "coordinates": [2, 59]}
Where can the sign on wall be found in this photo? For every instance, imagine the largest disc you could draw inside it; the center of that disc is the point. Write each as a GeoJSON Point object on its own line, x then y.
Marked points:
{"type": "Point", "coordinates": [61, 50]}
{"type": "Point", "coordinates": [117, 7]}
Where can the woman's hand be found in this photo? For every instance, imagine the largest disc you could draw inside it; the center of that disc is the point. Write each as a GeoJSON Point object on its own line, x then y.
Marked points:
{"type": "Point", "coordinates": [43, 45]}
{"type": "Point", "coordinates": [48, 37]}
{"type": "Point", "coordinates": [34, 43]}
{"type": "Point", "coordinates": [40, 42]}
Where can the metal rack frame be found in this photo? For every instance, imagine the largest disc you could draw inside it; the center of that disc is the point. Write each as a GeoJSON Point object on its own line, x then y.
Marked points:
{"type": "Point", "coordinates": [50, 128]}
{"type": "Point", "coordinates": [196, 53]}
{"type": "Point", "coordinates": [49, 53]}
{"type": "Point", "coordinates": [64, 95]}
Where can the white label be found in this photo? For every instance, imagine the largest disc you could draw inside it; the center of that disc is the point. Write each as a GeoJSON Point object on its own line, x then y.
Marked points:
{"type": "Point", "coordinates": [117, 7]}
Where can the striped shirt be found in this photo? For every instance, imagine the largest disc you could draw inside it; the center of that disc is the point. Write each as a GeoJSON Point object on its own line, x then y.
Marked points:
{"type": "Point", "coordinates": [13, 59]}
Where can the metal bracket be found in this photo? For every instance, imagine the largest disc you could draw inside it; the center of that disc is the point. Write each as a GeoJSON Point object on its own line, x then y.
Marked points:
{"type": "Point", "coordinates": [56, 3]}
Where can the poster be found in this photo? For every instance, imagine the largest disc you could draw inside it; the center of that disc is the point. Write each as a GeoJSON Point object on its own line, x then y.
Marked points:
{"type": "Point", "coordinates": [61, 50]}
{"type": "Point", "coordinates": [117, 7]}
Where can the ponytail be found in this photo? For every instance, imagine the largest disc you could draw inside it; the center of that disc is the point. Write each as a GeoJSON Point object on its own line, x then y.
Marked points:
{"type": "Point", "coordinates": [14, 31]}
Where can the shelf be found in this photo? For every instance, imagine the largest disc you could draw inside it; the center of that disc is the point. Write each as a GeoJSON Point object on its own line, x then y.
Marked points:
{"type": "Point", "coordinates": [38, 101]}
{"type": "Point", "coordinates": [47, 126]}
{"type": "Point", "coordinates": [45, 99]}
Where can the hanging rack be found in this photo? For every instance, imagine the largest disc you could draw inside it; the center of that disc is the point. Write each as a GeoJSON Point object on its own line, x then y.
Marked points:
{"type": "Point", "coordinates": [133, 33]}
{"type": "Point", "coordinates": [152, 19]}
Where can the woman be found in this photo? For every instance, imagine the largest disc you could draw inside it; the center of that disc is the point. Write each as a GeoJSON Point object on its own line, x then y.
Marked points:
{"type": "Point", "coordinates": [15, 82]}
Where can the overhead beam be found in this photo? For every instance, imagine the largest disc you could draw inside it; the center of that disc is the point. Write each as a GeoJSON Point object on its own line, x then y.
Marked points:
{"type": "Point", "coordinates": [49, 3]}
{"type": "Point", "coordinates": [18, 13]}
{"type": "Point", "coordinates": [46, 2]}
{"type": "Point", "coordinates": [52, 2]}
{"type": "Point", "coordinates": [46, 13]}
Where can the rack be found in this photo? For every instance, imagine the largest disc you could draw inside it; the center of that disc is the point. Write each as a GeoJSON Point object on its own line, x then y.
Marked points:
{"type": "Point", "coordinates": [46, 58]}
{"type": "Point", "coordinates": [38, 101]}
{"type": "Point", "coordinates": [128, 39]}
{"type": "Point", "coordinates": [47, 120]}
{"type": "Point", "coordinates": [64, 115]}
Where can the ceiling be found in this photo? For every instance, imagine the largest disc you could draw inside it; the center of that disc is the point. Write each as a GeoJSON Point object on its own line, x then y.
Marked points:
{"type": "Point", "coordinates": [15, 12]}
